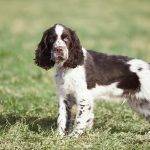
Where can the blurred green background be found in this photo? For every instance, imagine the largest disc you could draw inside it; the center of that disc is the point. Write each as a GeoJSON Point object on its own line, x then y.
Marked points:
{"type": "Point", "coordinates": [28, 103]}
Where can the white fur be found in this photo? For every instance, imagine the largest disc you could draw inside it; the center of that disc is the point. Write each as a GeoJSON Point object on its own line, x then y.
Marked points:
{"type": "Point", "coordinates": [61, 121]}
{"type": "Point", "coordinates": [70, 80]}
{"type": "Point", "coordinates": [59, 42]}
{"type": "Point", "coordinates": [145, 112]}
{"type": "Point", "coordinates": [59, 30]}
{"type": "Point", "coordinates": [144, 77]}
{"type": "Point", "coordinates": [106, 92]}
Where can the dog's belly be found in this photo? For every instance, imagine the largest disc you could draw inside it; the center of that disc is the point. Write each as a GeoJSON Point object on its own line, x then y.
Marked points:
{"type": "Point", "coordinates": [106, 92]}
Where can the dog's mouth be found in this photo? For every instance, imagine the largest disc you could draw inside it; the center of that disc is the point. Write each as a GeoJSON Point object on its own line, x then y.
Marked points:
{"type": "Point", "coordinates": [59, 58]}
{"type": "Point", "coordinates": [60, 55]}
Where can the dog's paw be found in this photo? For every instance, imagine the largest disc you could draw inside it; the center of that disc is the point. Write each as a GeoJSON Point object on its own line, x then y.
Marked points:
{"type": "Point", "coordinates": [76, 134]}
{"type": "Point", "coordinates": [61, 134]}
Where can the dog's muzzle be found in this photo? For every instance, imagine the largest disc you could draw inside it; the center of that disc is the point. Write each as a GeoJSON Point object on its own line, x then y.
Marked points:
{"type": "Point", "coordinates": [59, 53]}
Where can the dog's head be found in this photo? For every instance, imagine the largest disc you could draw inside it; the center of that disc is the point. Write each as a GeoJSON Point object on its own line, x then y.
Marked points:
{"type": "Point", "coordinates": [59, 46]}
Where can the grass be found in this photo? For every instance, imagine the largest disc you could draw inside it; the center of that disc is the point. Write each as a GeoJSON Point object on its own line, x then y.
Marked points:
{"type": "Point", "coordinates": [28, 103]}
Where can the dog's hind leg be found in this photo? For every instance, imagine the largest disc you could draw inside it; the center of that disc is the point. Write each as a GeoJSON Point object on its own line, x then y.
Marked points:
{"type": "Point", "coordinates": [141, 106]}
{"type": "Point", "coordinates": [140, 100]}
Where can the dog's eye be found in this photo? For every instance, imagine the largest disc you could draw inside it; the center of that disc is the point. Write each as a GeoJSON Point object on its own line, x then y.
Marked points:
{"type": "Point", "coordinates": [65, 37]}
{"type": "Point", "coordinates": [51, 39]}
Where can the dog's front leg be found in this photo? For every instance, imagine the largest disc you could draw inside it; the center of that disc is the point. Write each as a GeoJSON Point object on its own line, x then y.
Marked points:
{"type": "Point", "coordinates": [85, 116]}
{"type": "Point", "coordinates": [62, 117]}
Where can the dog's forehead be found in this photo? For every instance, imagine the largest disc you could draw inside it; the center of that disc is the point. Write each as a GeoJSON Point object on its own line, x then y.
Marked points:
{"type": "Point", "coordinates": [59, 30]}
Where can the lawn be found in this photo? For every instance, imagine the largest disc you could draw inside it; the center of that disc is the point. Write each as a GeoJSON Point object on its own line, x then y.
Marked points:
{"type": "Point", "coordinates": [28, 103]}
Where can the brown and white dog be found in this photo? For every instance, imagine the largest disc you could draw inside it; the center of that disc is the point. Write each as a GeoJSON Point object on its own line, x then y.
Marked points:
{"type": "Point", "coordinates": [84, 75]}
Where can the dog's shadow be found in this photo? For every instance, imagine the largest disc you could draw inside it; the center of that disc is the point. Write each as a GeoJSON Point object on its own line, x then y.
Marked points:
{"type": "Point", "coordinates": [38, 124]}
{"type": "Point", "coordinates": [35, 124]}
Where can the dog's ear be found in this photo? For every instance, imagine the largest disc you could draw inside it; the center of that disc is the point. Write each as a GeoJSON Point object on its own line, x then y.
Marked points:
{"type": "Point", "coordinates": [44, 54]}
{"type": "Point", "coordinates": [75, 51]}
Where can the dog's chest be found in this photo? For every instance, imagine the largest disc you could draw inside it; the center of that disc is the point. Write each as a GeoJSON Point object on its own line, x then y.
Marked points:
{"type": "Point", "coordinates": [71, 80]}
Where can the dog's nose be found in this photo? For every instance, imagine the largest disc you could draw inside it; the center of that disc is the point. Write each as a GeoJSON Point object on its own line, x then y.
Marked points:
{"type": "Point", "coordinates": [58, 49]}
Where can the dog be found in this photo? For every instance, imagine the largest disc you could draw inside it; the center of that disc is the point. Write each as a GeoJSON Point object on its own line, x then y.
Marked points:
{"type": "Point", "coordinates": [84, 75]}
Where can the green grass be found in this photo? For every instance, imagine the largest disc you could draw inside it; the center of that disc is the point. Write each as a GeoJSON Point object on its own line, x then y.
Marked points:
{"type": "Point", "coordinates": [28, 103]}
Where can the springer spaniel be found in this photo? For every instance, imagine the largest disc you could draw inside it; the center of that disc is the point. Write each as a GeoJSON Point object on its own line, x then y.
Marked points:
{"type": "Point", "coordinates": [83, 75]}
